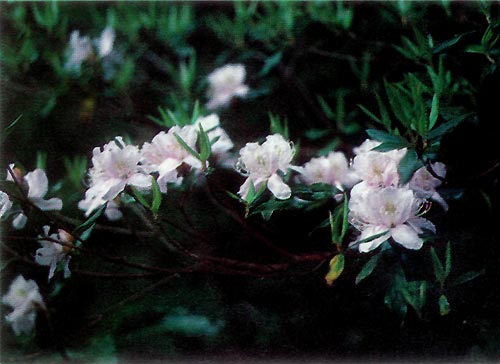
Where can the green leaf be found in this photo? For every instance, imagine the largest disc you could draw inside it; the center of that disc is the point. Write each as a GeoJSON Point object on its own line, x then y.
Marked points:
{"type": "Point", "coordinates": [90, 221]}
{"type": "Point", "coordinates": [336, 268]}
{"type": "Point", "coordinates": [370, 114]}
{"type": "Point", "coordinates": [187, 147]}
{"type": "Point", "coordinates": [368, 267]}
{"type": "Point", "coordinates": [388, 146]}
{"type": "Point", "coordinates": [444, 305]}
{"type": "Point", "coordinates": [408, 165]}
{"type": "Point", "coordinates": [6, 132]}
{"type": "Point", "coordinates": [87, 232]}
{"type": "Point", "coordinates": [447, 265]}
{"type": "Point", "coordinates": [385, 137]}
{"type": "Point", "coordinates": [466, 277]}
{"type": "Point", "coordinates": [139, 197]}
{"type": "Point", "coordinates": [434, 111]}
{"type": "Point", "coordinates": [205, 146]}
{"type": "Point", "coordinates": [438, 267]}
{"type": "Point", "coordinates": [447, 126]}
{"type": "Point", "coordinates": [270, 63]}
{"type": "Point", "coordinates": [155, 205]}
{"type": "Point", "coordinates": [345, 220]}
{"type": "Point", "coordinates": [449, 43]}
{"type": "Point", "coordinates": [373, 237]}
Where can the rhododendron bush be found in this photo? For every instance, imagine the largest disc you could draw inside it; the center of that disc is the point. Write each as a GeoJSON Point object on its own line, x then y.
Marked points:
{"type": "Point", "coordinates": [249, 178]}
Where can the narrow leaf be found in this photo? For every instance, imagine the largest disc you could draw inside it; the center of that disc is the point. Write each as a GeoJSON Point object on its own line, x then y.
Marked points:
{"type": "Point", "coordinates": [438, 267]}
{"type": "Point", "coordinates": [89, 221]}
{"type": "Point", "coordinates": [447, 265]}
{"type": "Point", "coordinates": [368, 268]}
{"type": "Point", "coordinates": [187, 147]}
{"type": "Point", "coordinates": [434, 111]}
{"type": "Point", "coordinates": [155, 205]}
{"type": "Point", "coordinates": [466, 277]}
{"type": "Point", "coordinates": [345, 220]}
{"type": "Point", "coordinates": [139, 197]}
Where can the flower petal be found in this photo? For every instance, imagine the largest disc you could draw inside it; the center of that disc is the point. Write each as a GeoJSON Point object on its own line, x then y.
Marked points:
{"type": "Point", "coordinates": [37, 182]}
{"type": "Point", "coordinates": [373, 244]}
{"type": "Point", "coordinates": [407, 237]}
{"type": "Point", "coordinates": [279, 188]}
{"type": "Point", "coordinates": [48, 205]}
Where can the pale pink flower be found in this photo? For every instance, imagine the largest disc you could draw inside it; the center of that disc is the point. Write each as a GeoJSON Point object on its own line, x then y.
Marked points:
{"type": "Point", "coordinates": [81, 50]}
{"type": "Point", "coordinates": [114, 167]}
{"type": "Point", "coordinates": [225, 83]}
{"type": "Point", "coordinates": [51, 253]}
{"type": "Point", "coordinates": [25, 298]}
{"type": "Point", "coordinates": [424, 184]}
{"type": "Point", "coordinates": [104, 43]}
{"type": "Point", "coordinates": [261, 164]}
{"type": "Point", "coordinates": [332, 169]}
{"type": "Point", "coordinates": [165, 154]}
{"type": "Point", "coordinates": [389, 211]}
{"type": "Point", "coordinates": [378, 169]}
{"type": "Point", "coordinates": [37, 186]}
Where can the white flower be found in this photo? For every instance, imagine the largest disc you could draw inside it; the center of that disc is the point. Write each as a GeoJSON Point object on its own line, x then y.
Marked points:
{"type": "Point", "coordinates": [38, 186]}
{"type": "Point", "coordinates": [225, 83]}
{"type": "Point", "coordinates": [378, 169]}
{"type": "Point", "coordinates": [165, 154]}
{"type": "Point", "coordinates": [105, 42]}
{"type": "Point", "coordinates": [51, 253]}
{"type": "Point", "coordinates": [81, 50]}
{"type": "Point", "coordinates": [5, 203]}
{"type": "Point", "coordinates": [424, 184]}
{"type": "Point", "coordinates": [261, 164]}
{"type": "Point", "coordinates": [114, 167]}
{"type": "Point", "coordinates": [332, 169]}
{"type": "Point", "coordinates": [211, 125]}
{"type": "Point", "coordinates": [24, 297]}
{"type": "Point", "coordinates": [81, 47]}
{"type": "Point", "coordinates": [389, 211]}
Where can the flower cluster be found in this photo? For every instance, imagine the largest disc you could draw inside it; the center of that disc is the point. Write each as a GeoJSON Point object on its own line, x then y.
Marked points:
{"type": "Point", "coordinates": [25, 298]}
{"type": "Point", "coordinates": [118, 164]}
{"type": "Point", "coordinates": [380, 207]}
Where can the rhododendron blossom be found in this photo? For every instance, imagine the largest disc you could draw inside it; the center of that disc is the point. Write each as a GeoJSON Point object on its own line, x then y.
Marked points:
{"type": "Point", "coordinates": [81, 50]}
{"type": "Point", "coordinates": [51, 253]}
{"type": "Point", "coordinates": [424, 184]}
{"type": "Point", "coordinates": [378, 169]}
{"type": "Point", "coordinates": [225, 83]}
{"type": "Point", "coordinates": [165, 154]}
{"type": "Point", "coordinates": [261, 164]}
{"type": "Point", "coordinates": [389, 211]}
{"type": "Point", "coordinates": [114, 167]}
{"type": "Point", "coordinates": [332, 169]}
{"type": "Point", "coordinates": [81, 47]}
{"type": "Point", "coordinates": [24, 297]}
{"type": "Point", "coordinates": [104, 43]}
{"type": "Point", "coordinates": [37, 186]}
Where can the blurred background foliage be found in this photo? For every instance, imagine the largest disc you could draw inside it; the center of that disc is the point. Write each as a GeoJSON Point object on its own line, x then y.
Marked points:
{"type": "Point", "coordinates": [331, 70]}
